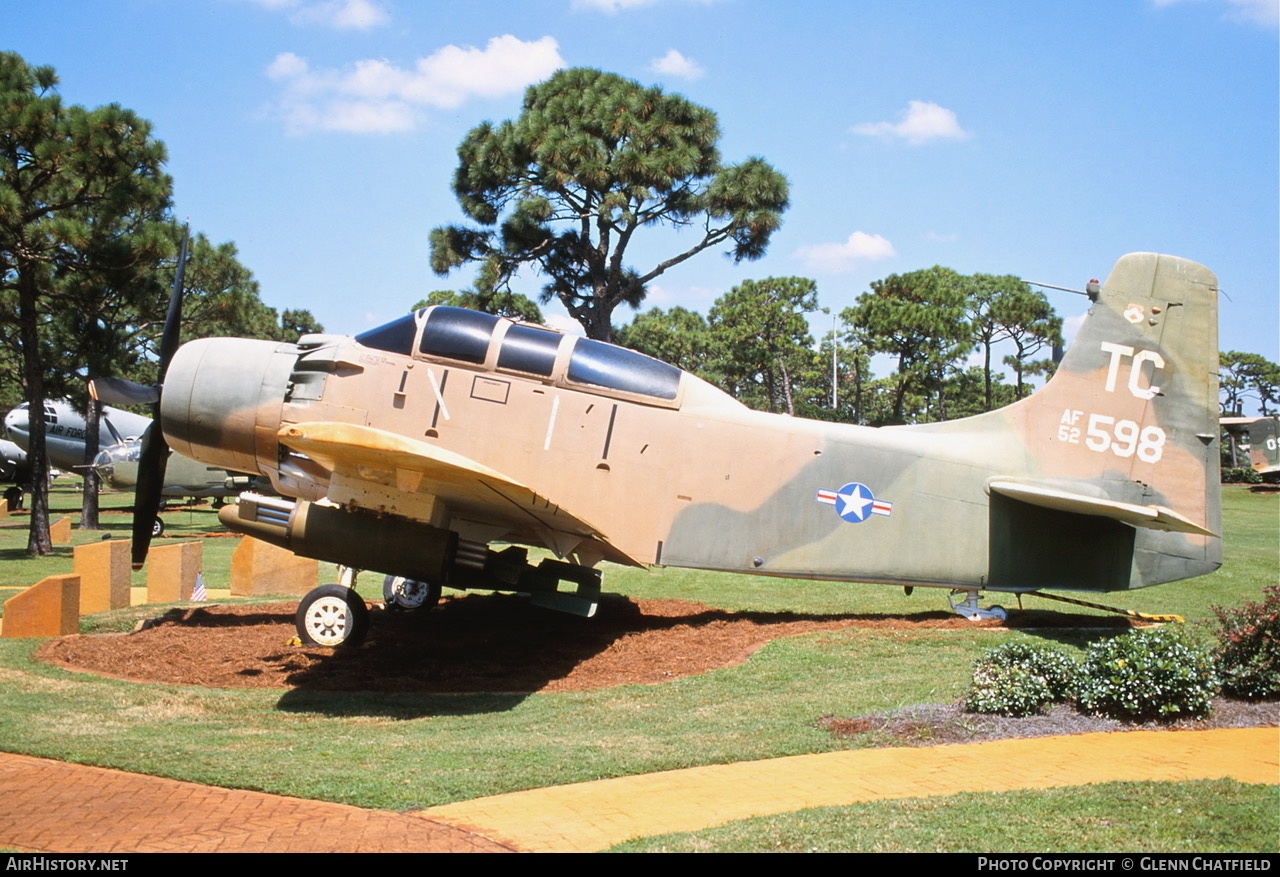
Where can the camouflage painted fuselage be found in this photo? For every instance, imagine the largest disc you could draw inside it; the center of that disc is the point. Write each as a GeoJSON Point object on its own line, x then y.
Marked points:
{"type": "Point", "coordinates": [1103, 480]}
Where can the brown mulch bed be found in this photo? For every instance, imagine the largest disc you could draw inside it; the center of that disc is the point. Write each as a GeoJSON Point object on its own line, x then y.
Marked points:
{"type": "Point", "coordinates": [936, 724]}
{"type": "Point", "coordinates": [498, 643]}
{"type": "Point", "coordinates": [495, 643]}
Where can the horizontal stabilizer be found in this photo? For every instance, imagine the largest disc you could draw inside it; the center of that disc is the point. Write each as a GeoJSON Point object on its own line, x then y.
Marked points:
{"type": "Point", "coordinates": [1152, 517]}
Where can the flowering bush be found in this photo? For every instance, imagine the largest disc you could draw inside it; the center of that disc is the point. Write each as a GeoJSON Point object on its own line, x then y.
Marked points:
{"type": "Point", "coordinates": [1156, 673]}
{"type": "Point", "coordinates": [1019, 679]}
{"type": "Point", "coordinates": [1248, 652]}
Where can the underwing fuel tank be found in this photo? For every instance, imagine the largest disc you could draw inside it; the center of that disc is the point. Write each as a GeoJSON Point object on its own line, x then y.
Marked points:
{"type": "Point", "coordinates": [358, 539]}
{"type": "Point", "coordinates": [221, 400]}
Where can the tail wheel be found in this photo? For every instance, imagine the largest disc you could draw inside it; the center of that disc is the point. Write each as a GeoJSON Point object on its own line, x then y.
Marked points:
{"type": "Point", "coordinates": [402, 593]}
{"type": "Point", "coordinates": [332, 615]}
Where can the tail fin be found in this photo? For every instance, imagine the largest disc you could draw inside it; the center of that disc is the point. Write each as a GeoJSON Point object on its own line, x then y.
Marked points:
{"type": "Point", "coordinates": [1127, 429]}
{"type": "Point", "coordinates": [1264, 445]}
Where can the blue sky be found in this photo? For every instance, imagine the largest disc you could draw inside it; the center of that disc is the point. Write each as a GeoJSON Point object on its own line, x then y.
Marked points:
{"type": "Point", "coordinates": [1037, 139]}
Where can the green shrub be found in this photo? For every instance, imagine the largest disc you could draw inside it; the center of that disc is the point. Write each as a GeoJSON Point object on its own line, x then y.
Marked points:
{"type": "Point", "coordinates": [1248, 651]}
{"type": "Point", "coordinates": [1019, 679]}
{"type": "Point", "coordinates": [1241, 475]}
{"type": "Point", "coordinates": [1158, 673]}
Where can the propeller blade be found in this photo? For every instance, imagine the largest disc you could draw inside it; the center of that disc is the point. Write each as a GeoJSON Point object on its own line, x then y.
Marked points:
{"type": "Point", "coordinates": [118, 391]}
{"type": "Point", "coordinates": [155, 450]}
{"type": "Point", "coordinates": [146, 497]}
{"type": "Point", "coordinates": [111, 428]}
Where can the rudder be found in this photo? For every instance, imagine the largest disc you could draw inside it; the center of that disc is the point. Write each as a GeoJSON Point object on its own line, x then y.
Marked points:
{"type": "Point", "coordinates": [1127, 429]}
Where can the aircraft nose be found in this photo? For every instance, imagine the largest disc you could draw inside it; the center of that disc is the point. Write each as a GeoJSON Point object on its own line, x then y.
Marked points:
{"type": "Point", "coordinates": [16, 420]}
{"type": "Point", "coordinates": [221, 400]}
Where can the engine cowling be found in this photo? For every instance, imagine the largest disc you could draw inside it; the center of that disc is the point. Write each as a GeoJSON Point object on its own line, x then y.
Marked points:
{"type": "Point", "coordinates": [222, 398]}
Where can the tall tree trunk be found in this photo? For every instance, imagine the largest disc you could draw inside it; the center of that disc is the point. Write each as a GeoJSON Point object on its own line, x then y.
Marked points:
{"type": "Point", "coordinates": [786, 388]}
{"type": "Point", "coordinates": [89, 503]}
{"type": "Point", "coordinates": [38, 541]}
{"type": "Point", "coordinates": [986, 374]}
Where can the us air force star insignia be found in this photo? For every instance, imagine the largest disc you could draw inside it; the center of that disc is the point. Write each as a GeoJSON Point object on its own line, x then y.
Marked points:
{"type": "Point", "coordinates": [855, 502]}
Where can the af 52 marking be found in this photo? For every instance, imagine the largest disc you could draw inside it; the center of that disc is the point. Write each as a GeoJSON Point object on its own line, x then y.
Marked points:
{"type": "Point", "coordinates": [1124, 438]}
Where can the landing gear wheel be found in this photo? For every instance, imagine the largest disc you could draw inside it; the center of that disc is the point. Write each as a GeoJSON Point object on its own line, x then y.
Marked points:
{"type": "Point", "coordinates": [332, 615]}
{"type": "Point", "coordinates": [402, 593]}
{"type": "Point", "coordinates": [157, 527]}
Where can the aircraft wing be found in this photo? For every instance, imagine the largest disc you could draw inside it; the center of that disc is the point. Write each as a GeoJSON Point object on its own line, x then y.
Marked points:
{"type": "Point", "coordinates": [1154, 517]}
{"type": "Point", "coordinates": [468, 489]}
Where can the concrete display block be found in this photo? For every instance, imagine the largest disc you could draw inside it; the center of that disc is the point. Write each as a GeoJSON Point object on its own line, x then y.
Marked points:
{"type": "Point", "coordinates": [259, 567]}
{"type": "Point", "coordinates": [48, 608]}
{"type": "Point", "coordinates": [104, 573]}
{"type": "Point", "coordinates": [172, 570]}
{"type": "Point", "coordinates": [60, 531]}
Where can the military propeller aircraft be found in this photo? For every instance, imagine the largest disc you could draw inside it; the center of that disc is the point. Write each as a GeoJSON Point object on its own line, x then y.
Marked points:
{"type": "Point", "coordinates": [14, 468]}
{"type": "Point", "coordinates": [118, 467]}
{"type": "Point", "coordinates": [412, 448]}
{"type": "Point", "coordinates": [119, 437]}
{"type": "Point", "coordinates": [65, 430]}
{"type": "Point", "coordinates": [13, 462]}
{"type": "Point", "coordinates": [1262, 435]}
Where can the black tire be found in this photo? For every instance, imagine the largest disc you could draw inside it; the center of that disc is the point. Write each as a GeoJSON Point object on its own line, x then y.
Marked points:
{"type": "Point", "coordinates": [157, 527]}
{"type": "Point", "coordinates": [408, 594]}
{"type": "Point", "coordinates": [332, 615]}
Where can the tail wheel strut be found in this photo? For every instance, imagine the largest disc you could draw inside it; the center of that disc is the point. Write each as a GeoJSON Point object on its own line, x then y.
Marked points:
{"type": "Point", "coordinates": [1141, 616]}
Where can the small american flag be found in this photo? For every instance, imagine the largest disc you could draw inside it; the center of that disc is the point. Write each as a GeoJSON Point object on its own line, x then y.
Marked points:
{"type": "Point", "coordinates": [198, 593]}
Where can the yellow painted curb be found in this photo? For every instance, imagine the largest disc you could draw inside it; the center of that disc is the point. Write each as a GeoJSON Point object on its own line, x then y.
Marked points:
{"type": "Point", "coordinates": [592, 816]}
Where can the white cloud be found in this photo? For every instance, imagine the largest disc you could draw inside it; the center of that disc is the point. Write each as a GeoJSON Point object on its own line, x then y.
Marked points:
{"type": "Point", "coordinates": [1264, 12]}
{"type": "Point", "coordinates": [336, 14]}
{"type": "Point", "coordinates": [563, 323]}
{"type": "Point", "coordinates": [835, 258]}
{"type": "Point", "coordinates": [1261, 12]}
{"type": "Point", "coordinates": [286, 66]}
{"type": "Point", "coordinates": [376, 96]}
{"type": "Point", "coordinates": [675, 64]}
{"type": "Point", "coordinates": [920, 122]}
{"type": "Point", "coordinates": [611, 6]}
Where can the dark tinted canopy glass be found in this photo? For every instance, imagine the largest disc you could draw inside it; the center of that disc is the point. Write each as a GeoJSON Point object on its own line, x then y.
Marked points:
{"type": "Point", "coordinates": [457, 333]}
{"type": "Point", "coordinates": [395, 337]}
{"type": "Point", "coordinates": [526, 349]}
{"type": "Point", "coordinates": [616, 368]}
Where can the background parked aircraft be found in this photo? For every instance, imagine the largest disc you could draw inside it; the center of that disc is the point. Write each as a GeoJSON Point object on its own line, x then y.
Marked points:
{"type": "Point", "coordinates": [65, 430]}
{"type": "Point", "coordinates": [1262, 435]}
{"type": "Point", "coordinates": [119, 438]}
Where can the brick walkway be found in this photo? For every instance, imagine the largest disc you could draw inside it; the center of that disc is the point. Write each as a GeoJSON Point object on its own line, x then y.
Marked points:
{"type": "Point", "coordinates": [48, 806]}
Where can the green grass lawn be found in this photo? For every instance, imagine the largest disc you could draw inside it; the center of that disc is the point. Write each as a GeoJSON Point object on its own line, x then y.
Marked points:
{"type": "Point", "coordinates": [401, 751]}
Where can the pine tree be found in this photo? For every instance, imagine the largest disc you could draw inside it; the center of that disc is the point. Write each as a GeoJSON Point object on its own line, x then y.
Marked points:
{"type": "Point", "coordinates": [68, 176]}
{"type": "Point", "coordinates": [593, 159]}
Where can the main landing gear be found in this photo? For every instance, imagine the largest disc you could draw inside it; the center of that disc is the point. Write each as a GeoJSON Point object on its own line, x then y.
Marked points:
{"type": "Point", "coordinates": [332, 615]}
{"type": "Point", "coordinates": [409, 594]}
{"type": "Point", "coordinates": [335, 615]}
{"type": "Point", "coordinates": [965, 603]}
